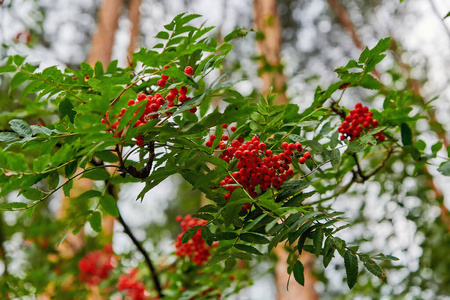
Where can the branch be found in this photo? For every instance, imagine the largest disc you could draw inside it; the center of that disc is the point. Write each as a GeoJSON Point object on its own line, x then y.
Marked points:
{"type": "Point", "coordinates": [2, 248]}
{"type": "Point", "coordinates": [149, 263]}
{"type": "Point", "coordinates": [365, 177]}
{"type": "Point", "coordinates": [143, 172]}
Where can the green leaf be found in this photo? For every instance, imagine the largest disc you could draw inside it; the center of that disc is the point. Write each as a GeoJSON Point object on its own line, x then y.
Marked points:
{"type": "Point", "coordinates": [445, 168]}
{"type": "Point", "coordinates": [66, 109]}
{"type": "Point", "coordinates": [446, 16]}
{"type": "Point", "coordinates": [253, 238]}
{"type": "Point", "coordinates": [30, 211]}
{"type": "Point", "coordinates": [227, 235]}
{"type": "Point", "coordinates": [109, 205]}
{"type": "Point", "coordinates": [18, 79]}
{"type": "Point", "coordinates": [299, 272]}
{"type": "Point", "coordinates": [318, 241]}
{"type": "Point", "coordinates": [373, 268]}
{"type": "Point", "coordinates": [8, 137]}
{"type": "Point", "coordinates": [217, 257]}
{"type": "Point", "coordinates": [33, 194]}
{"type": "Point", "coordinates": [237, 33]}
{"type": "Point", "coordinates": [96, 221]}
{"type": "Point", "coordinates": [164, 35]}
{"type": "Point", "coordinates": [96, 174]}
{"type": "Point", "coordinates": [229, 264]}
{"type": "Point", "coordinates": [13, 206]}
{"type": "Point", "coordinates": [41, 162]}
{"type": "Point", "coordinates": [406, 134]}
{"type": "Point", "coordinates": [351, 268]}
{"type": "Point", "coordinates": [247, 248]}
{"type": "Point", "coordinates": [21, 127]}
{"type": "Point", "coordinates": [190, 233]}
{"type": "Point", "coordinates": [207, 235]}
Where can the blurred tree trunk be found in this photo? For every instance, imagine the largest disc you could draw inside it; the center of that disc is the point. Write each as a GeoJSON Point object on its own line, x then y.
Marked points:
{"type": "Point", "coordinates": [134, 16]}
{"type": "Point", "coordinates": [103, 38]}
{"type": "Point", "coordinates": [266, 21]}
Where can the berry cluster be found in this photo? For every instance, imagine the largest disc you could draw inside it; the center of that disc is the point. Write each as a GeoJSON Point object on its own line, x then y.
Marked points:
{"type": "Point", "coordinates": [97, 265]}
{"type": "Point", "coordinates": [258, 166]}
{"type": "Point", "coordinates": [222, 144]}
{"type": "Point", "coordinates": [154, 103]}
{"type": "Point", "coordinates": [195, 248]}
{"type": "Point", "coordinates": [134, 288]}
{"type": "Point", "coordinates": [358, 122]}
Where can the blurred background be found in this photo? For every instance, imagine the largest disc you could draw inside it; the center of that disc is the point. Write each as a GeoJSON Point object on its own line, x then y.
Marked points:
{"type": "Point", "coordinates": [304, 41]}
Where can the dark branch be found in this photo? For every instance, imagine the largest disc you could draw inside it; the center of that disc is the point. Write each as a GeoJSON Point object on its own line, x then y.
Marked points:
{"type": "Point", "coordinates": [149, 263]}
{"type": "Point", "coordinates": [143, 172]}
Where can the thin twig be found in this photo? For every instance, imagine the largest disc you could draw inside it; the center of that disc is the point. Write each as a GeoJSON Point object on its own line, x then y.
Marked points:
{"type": "Point", "coordinates": [147, 259]}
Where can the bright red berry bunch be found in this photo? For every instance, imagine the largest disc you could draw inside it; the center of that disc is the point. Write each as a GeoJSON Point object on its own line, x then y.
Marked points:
{"type": "Point", "coordinates": [258, 166]}
{"type": "Point", "coordinates": [196, 248]}
{"type": "Point", "coordinates": [154, 103]}
{"type": "Point", "coordinates": [359, 121]}
{"type": "Point", "coordinates": [134, 288]}
{"type": "Point", "coordinates": [97, 265]}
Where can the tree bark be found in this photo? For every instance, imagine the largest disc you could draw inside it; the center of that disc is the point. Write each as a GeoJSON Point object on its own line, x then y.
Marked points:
{"type": "Point", "coordinates": [103, 38]}
{"type": "Point", "coordinates": [267, 22]}
{"type": "Point", "coordinates": [134, 16]}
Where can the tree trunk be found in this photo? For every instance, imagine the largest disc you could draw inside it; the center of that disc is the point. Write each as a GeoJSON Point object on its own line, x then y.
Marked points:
{"type": "Point", "coordinates": [134, 16]}
{"type": "Point", "coordinates": [267, 22]}
{"type": "Point", "coordinates": [103, 39]}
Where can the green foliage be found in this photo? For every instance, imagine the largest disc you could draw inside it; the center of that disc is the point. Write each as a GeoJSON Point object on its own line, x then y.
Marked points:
{"type": "Point", "coordinates": [75, 144]}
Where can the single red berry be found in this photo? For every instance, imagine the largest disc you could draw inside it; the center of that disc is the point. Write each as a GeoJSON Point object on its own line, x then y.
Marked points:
{"type": "Point", "coordinates": [224, 137]}
{"type": "Point", "coordinates": [130, 102]}
{"type": "Point", "coordinates": [164, 77]}
{"type": "Point", "coordinates": [233, 128]}
{"type": "Point", "coordinates": [188, 70]}
{"type": "Point", "coordinates": [193, 110]}
{"type": "Point", "coordinates": [139, 143]}
{"type": "Point", "coordinates": [302, 160]}
{"type": "Point", "coordinates": [284, 145]}
{"type": "Point", "coordinates": [307, 155]}
{"type": "Point", "coordinates": [161, 83]}
{"type": "Point", "coordinates": [224, 126]}
{"type": "Point", "coordinates": [183, 90]}
{"type": "Point", "coordinates": [141, 97]}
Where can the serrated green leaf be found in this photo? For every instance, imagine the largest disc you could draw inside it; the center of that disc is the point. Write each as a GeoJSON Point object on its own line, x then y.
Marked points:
{"type": "Point", "coordinates": [96, 221]}
{"type": "Point", "coordinates": [318, 241]}
{"type": "Point", "coordinates": [109, 205]}
{"type": "Point", "coordinates": [18, 79]}
{"type": "Point", "coordinates": [96, 174]}
{"type": "Point", "coordinates": [253, 238]}
{"type": "Point", "coordinates": [41, 162]}
{"type": "Point", "coordinates": [13, 205]}
{"type": "Point", "coordinates": [406, 134]}
{"type": "Point", "coordinates": [8, 137]}
{"type": "Point", "coordinates": [351, 268]}
{"type": "Point", "coordinates": [373, 268]}
{"type": "Point", "coordinates": [207, 235]}
{"type": "Point", "coordinates": [190, 233]}
{"type": "Point", "coordinates": [21, 127]}
{"type": "Point", "coordinates": [247, 248]}
{"type": "Point", "coordinates": [33, 194]}
{"type": "Point", "coordinates": [299, 272]}
{"type": "Point", "coordinates": [227, 235]}
{"type": "Point", "coordinates": [66, 109]}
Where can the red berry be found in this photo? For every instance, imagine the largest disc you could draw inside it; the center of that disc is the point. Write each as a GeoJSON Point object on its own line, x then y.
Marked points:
{"type": "Point", "coordinates": [164, 77]}
{"type": "Point", "coordinates": [188, 70]}
{"type": "Point", "coordinates": [140, 143]}
{"type": "Point", "coordinates": [302, 160]}
{"type": "Point", "coordinates": [161, 83]}
{"type": "Point", "coordinates": [193, 110]}
{"type": "Point", "coordinates": [307, 155]}
{"type": "Point", "coordinates": [233, 128]}
{"type": "Point", "coordinates": [141, 97]}
{"type": "Point", "coordinates": [284, 145]}
{"type": "Point", "coordinates": [224, 126]}
{"type": "Point", "coordinates": [224, 137]}
{"type": "Point", "coordinates": [183, 90]}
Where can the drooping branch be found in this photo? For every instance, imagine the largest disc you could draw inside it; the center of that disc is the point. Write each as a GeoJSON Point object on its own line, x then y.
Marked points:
{"type": "Point", "coordinates": [153, 272]}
